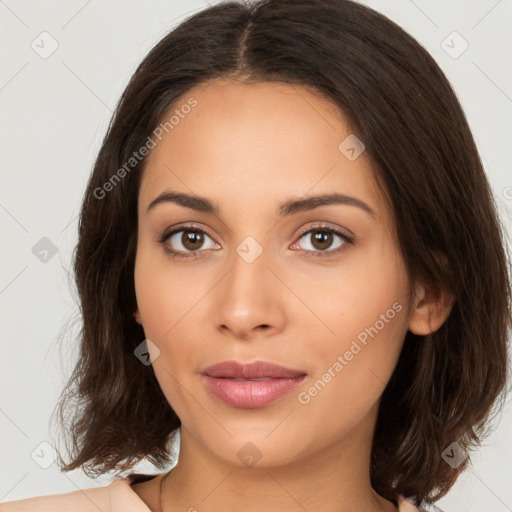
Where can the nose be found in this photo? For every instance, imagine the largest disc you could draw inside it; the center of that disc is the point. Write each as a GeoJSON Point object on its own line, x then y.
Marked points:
{"type": "Point", "coordinates": [250, 300]}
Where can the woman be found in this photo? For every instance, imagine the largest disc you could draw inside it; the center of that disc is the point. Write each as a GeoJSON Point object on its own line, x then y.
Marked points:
{"type": "Point", "coordinates": [288, 253]}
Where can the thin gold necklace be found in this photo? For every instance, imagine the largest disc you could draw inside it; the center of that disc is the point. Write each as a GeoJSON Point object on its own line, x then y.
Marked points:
{"type": "Point", "coordinates": [160, 490]}
{"type": "Point", "coordinates": [161, 486]}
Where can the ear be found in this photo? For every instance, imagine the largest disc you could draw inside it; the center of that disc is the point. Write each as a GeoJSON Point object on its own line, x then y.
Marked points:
{"type": "Point", "coordinates": [431, 307]}
{"type": "Point", "coordinates": [136, 315]}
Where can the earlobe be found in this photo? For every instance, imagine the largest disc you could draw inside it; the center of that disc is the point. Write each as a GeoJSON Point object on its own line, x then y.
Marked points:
{"type": "Point", "coordinates": [136, 316]}
{"type": "Point", "coordinates": [431, 307]}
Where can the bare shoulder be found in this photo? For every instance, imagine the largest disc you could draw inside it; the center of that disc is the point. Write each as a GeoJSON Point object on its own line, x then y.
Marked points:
{"type": "Point", "coordinates": [148, 491]}
{"type": "Point", "coordinates": [84, 500]}
{"type": "Point", "coordinates": [136, 493]}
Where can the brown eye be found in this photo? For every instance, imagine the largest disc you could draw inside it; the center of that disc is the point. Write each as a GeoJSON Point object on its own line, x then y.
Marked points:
{"type": "Point", "coordinates": [187, 242]}
{"type": "Point", "coordinates": [323, 241]}
{"type": "Point", "coordinates": [192, 240]}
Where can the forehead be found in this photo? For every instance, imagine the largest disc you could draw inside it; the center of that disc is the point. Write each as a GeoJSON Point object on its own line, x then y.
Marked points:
{"type": "Point", "coordinates": [256, 142]}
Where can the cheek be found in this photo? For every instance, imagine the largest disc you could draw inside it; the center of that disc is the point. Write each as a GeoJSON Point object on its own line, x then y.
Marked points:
{"type": "Point", "coordinates": [160, 293]}
{"type": "Point", "coordinates": [163, 307]}
{"type": "Point", "coordinates": [367, 315]}
{"type": "Point", "coordinates": [352, 373]}
{"type": "Point", "coordinates": [368, 290]}
{"type": "Point", "coordinates": [165, 301]}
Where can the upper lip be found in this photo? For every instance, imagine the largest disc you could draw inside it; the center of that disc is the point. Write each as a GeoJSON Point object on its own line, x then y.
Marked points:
{"type": "Point", "coordinates": [251, 370]}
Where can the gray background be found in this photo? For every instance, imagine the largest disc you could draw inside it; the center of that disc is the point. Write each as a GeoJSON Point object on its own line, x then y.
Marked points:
{"type": "Point", "coordinates": [55, 111]}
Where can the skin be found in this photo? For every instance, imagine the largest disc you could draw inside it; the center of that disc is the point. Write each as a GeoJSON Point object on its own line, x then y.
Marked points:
{"type": "Point", "coordinates": [248, 148]}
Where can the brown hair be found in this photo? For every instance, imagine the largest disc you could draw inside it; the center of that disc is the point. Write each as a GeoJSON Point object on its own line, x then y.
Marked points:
{"type": "Point", "coordinates": [424, 157]}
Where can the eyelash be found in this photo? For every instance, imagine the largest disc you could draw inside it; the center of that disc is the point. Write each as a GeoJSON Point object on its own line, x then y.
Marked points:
{"type": "Point", "coordinates": [195, 254]}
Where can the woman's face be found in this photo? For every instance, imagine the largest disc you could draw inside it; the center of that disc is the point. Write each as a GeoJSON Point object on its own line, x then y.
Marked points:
{"type": "Point", "coordinates": [262, 281]}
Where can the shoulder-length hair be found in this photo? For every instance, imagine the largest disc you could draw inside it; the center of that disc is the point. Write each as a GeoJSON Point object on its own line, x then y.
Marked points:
{"type": "Point", "coordinates": [424, 160]}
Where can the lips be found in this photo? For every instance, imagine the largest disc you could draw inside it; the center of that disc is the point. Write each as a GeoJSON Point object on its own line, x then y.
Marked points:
{"type": "Point", "coordinates": [254, 370]}
{"type": "Point", "coordinates": [250, 385]}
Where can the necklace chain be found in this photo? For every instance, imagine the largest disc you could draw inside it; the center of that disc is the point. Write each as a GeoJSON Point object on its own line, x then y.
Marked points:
{"type": "Point", "coordinates": [160, 492]}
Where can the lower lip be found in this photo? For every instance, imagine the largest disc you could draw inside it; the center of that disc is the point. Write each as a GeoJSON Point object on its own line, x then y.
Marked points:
{"type": "Point", "coordinates": [250, 394]}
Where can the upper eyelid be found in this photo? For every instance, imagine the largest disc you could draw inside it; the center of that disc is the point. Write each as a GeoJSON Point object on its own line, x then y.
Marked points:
{"type": "Point", "coordinates": [326, 226]}
{"type": "Point", "coordinates": [186, 227]}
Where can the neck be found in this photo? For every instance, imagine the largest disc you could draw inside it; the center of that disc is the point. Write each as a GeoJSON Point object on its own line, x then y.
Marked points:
{"type": "Point", "coordinates": [334, 480]}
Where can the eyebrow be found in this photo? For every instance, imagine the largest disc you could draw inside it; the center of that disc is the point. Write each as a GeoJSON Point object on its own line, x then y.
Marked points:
{"type": "Point", "coordinates": [289, 207]}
